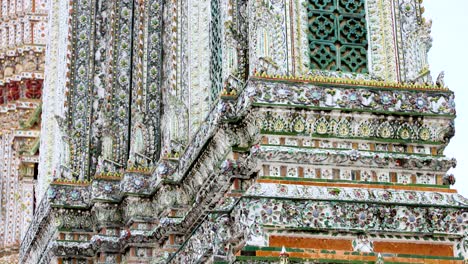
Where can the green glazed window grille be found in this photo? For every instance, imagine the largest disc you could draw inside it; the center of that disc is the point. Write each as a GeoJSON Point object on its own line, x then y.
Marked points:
{"type": "Point", "coordinates": [216, 51]}
{"type": "Point", "coordinates": [337, 35]}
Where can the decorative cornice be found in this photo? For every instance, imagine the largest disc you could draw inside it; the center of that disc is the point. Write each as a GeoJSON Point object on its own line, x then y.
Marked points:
{"type": "Point", "coordinates": [348, 82]}
{"type": "Point", "coordinates": [356, 158]}
{"type": "Point", "coordinates": [360, 195]}
{"type": "Point", "coordinates": [265, 92]}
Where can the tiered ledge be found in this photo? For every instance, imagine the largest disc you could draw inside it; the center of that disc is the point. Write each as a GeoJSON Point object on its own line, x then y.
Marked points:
{"type": "Point", "coordinates": [346, 82]}
{"type": "Point", "coordinates": [272, 255]}
{"type": "Point", "coordinates": [355, 192]}
{"type": "Point", "coordinates": [350, 95]}
{"type": "Point", "coordinates": [357, 184]}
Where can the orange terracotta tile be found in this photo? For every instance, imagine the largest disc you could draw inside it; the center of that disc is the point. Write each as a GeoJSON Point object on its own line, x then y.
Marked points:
{"type": "Point", "coordinates": [315, 243]}
{"type": "Point", "coordinates": [340, 255]}
{"type": "Point", "coordinates": [414, 248]}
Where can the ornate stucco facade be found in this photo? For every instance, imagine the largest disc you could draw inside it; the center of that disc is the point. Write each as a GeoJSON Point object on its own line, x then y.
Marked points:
{"type": "Point", "coordinates": [23, 35]}
{"type": "Point", "coordinates": [247, 131]}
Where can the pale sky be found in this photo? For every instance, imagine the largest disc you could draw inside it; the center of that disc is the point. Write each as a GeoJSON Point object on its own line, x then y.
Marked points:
{"type": "Point", "coordinates": [449, 53]}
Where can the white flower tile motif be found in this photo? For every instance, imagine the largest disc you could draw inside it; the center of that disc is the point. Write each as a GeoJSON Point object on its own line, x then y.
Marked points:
{"type": "Point", "coordinates": [291, 142]}
{"type": "Point", "coordinates": [327, 174]}
{"type": "Point", "coordinates": [404, 178]}
{"type": "Point", "coordinates": [426, 179]}
{"type": "Point", "coordinates": [275, 171]}
{"type": "Point", "coordinates": [308, 143]}
{"type": "Point", "coordinates": [309, 172]}
{"type": "Point", "coordinates": [381, 147]}
{"type": "Point", "coordinates": [344, 145]}
{"type": "Point", "coordinates": [346, 175]}
{"type": "Point", "coordinates": [273, 140]}
{"type": "Point", "coordinates": [366, 176]}
{"type": "Point", "coordinates": [383, 176]}
{"type": "Point", "coordinates": [364, 146]}
{"type": "Point", "coordinates": [292, 172]}
{"type": "Point", "coordinates": [325, 144]}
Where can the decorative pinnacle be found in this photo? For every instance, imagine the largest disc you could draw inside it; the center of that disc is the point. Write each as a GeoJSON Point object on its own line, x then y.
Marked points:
{"type": "Point", "coordinates": [284, 256]}
{"type": "Point", "coordinates": [283, 251]}
{"type": "Point", "coordinates": [380, 259]}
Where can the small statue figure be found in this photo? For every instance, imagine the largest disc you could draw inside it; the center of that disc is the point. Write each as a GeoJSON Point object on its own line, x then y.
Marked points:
{"type": "Point", "coordinates": [449, 179]}
{"type": "Point", "coordinates": [440, 79]}
{"type": "Point", "coordinates": [30, 61]}
{"type": "Point", "coordinates": [9, 69]}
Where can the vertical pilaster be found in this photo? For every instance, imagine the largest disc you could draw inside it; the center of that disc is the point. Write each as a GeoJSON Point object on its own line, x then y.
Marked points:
{"type": "Point", "coordinates": [146, 92]}
{"type": "Point", "coordinates": [80, 96]}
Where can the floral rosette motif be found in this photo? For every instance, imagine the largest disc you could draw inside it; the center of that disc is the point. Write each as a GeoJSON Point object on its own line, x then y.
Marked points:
{"type": "Point", "coordinates": [420, 102]}
{"type": "Point", "coordinates": [291, 214]}
{"type": "Point", "coordinates": [283, 93]}
{"type": "Point", "coordinates": [451, 105]}
{"type": "Point", "coordinates": [443, 221]}
{"type": "Point", "coordinates": [134, 183]}
{"type": "Point", "coordinates": [457, 222]}
{"type": "Point", "coordinates": [75, 195]}
{"type": "Point", "coordinates": [163, 169]}
{"type": "Point", "coordinates": [384, 195]}
{"type": "Point", "coordinates": [282, 189]}
{"type": "Point", "coordinates": [362, 217]}
{"type": "Point", "coordinates": [68, 195]}
{"type": "Point", "coordinates": [339, 215]}
{"type": "Point", "coordinates": [51, 193]}
{"type": "Point", "coordinates": [315, 215]}
{"type": "Point", "coordinates": [105, 189]}
{"type": "Point", "coordinates": [361, 194]}
{"type": "Point", "coordinates": [387, 100]}
{"type": "Point", "coordinates": [387, 216]}
{"type": "Point", "coordinates": [349, 99]}
{"type": "Point", "coordinates": [435, 198]}
{"type": "Point", "coordinates": [138, 183]}
{"type": "Point", "coordinates": [412, 197]}
{"type": "Point", "coordinates": [437, 220]}
{"type": "Point", "coordinates": [412, 220]}
{"type": "Point", "coordinates": [271, 214]}
{"type": "Point", "coordinates": [315, 96]}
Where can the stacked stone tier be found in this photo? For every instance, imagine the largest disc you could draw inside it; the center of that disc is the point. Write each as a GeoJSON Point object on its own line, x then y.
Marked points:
{"type": "Point", "coordinates": [19, 141]}
{"type": "Point", "coordinates": [280, 163]}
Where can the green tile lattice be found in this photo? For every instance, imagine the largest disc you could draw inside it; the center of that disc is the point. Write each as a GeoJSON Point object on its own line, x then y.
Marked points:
{"type": "Point", "coordinates": [337, 35]}
{"type": "Point", "coordinates": [216, 51]}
